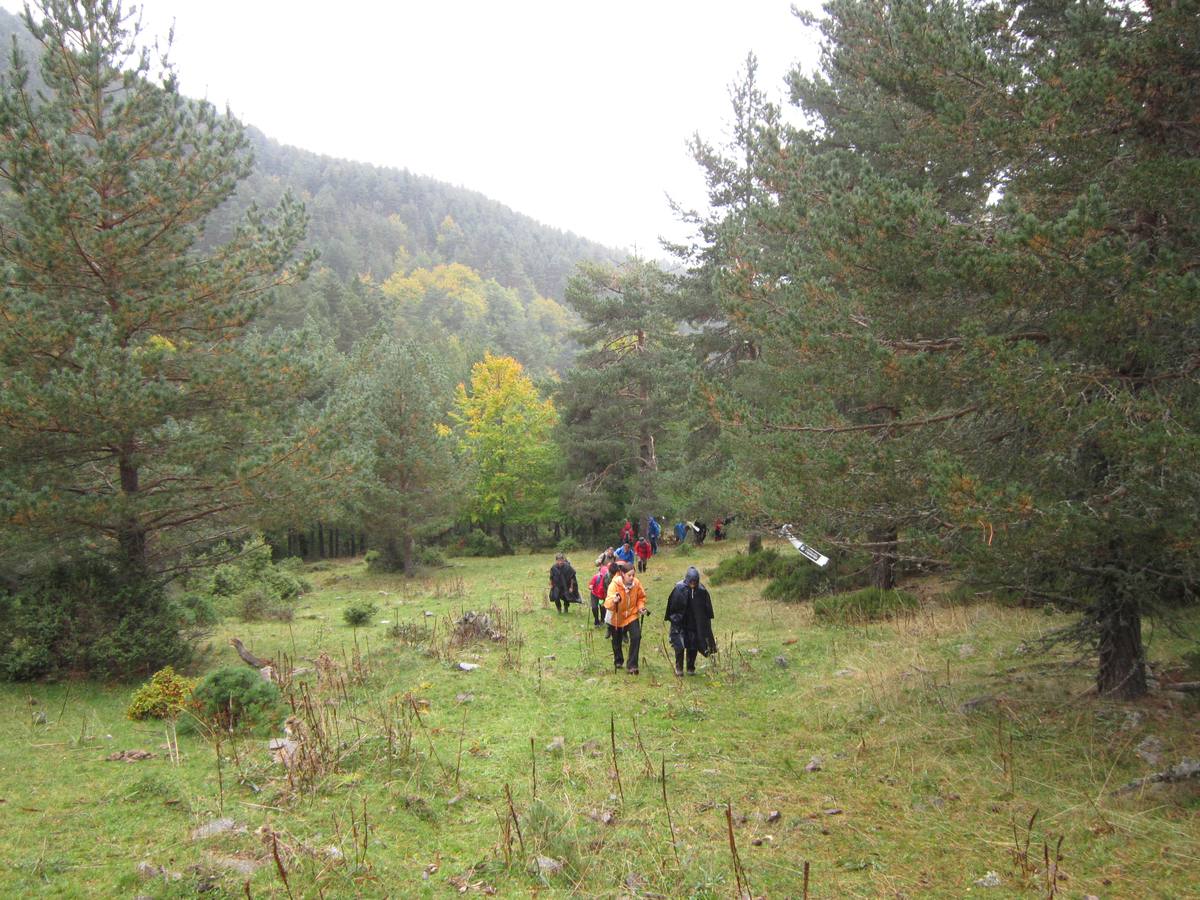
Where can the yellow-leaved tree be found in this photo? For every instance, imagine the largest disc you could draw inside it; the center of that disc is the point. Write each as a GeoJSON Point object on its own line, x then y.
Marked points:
{"type": "Point", "coordinates": [504, 434]}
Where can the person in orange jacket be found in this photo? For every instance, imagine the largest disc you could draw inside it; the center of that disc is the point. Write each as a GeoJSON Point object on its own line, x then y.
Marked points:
{"type": "Point", "coordinates": [625, 605]}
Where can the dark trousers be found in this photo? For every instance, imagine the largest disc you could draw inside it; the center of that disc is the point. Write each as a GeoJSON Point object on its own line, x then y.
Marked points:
{"type": "Point", "coordinates": [634, 632]}
{"type": "Point", "coordinates": [597, 616]}
{"type": "Point", "coordinates": [641, 564]}
{"type": "Point", "coordinates": [691, 660]}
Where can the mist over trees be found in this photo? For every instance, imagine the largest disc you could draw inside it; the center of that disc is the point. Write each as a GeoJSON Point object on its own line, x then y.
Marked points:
{"type": "Point", "coordinates": [942, 314]}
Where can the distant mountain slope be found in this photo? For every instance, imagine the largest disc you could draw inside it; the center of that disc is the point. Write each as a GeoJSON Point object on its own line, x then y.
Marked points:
{"type": "Point", "coordinates": [362, 215]}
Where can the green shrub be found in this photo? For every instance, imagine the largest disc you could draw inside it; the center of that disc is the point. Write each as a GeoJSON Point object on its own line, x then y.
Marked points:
{"type": "Point", "coordinates": [866, 605]}
{"type": "Point", "coordinates": [164, 696]}
{"type": "Point", "coordinates": [258, 603]}
{"type": "Point", "coordinates": [567, 545]}
{"type": "Point", "coordinates": [478, 543]}
{"type": "Point", "coordinates": [431, 557]}
{"type": "Point", "coordinates": [746, 566]}
{"type": "Point", "coordinates": [802, 581]}
{"type": "Point", "coordinates": [684, 549]}
{"type": "Point", "coordinates": [359, 614]}
{"type": "Point", "coordinates": [235, 697]}
{"type": "Point", "coordinates": [84, 618]}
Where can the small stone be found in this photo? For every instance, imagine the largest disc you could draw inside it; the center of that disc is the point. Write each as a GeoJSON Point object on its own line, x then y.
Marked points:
{"type": "Point", "coordinates": [814, 765]}
{"type": "Point", "coordinates": [753, 651]}
{"type": "Point", "coordinates": [465, 697]}
{"type": "Point", "coordinates": [781, 661]}
{"type": "Point", "coordinates": [774, 815]}
{"type": "Point", "coordinates": [428, 614]}
{"type": "Point", "coordinates": [966, 651]}
{"type": "Point", "coordinates": [334, 853]}
{"type": "Point", "coordinates": [835, 811]}
{"type": "Point", "coordinates": [635, 882]}
{"type": "Point", "coordinates": [236, 864]}
{"type": "Point", "coordinates": [548, 866]}
{"type": "Point", "coordinates": [1150, 749]}
{"type": "Point", "coordinates": [283, 750]}
{"type": "Point", "coordinates": [557, 744]}
{"type": "Point", "coordinates": [551, 656]}
{"type": "Point", "coordinates": [990, 880]}
{"type": "Point", "coordinates": [39, 718]}
{"type": "Point", "coordinates": [844, 673]}
{"type": "Point", "coordinates": [468, 667]}
{"type": "Point", "coordinates": [215, 827]}
{"type": "Point", "coordinates": [129, 756]}
{"type": "Point", "coordinates": [977, 703]}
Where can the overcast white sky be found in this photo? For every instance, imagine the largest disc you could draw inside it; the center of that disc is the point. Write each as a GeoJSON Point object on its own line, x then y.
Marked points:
{"type": "Point", "coordinates": [575, 113]}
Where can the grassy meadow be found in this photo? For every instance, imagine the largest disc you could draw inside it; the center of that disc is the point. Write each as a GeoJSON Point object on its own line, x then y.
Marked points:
{"type": "Point", "coordinates": [845, 750]}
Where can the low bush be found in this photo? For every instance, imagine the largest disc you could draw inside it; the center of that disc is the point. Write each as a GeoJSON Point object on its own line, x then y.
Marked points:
{"type": "Point", "coordinates": [479, 543]}
{"type": "Point", "coordinates": [567, 545]}
{"type": "Point", "coordinates": [801, 582]}
{"type": "Point", "coordinates": [431, 557]}
{"type": "Point", "coordinates": [258, 603]}
{"type": "Point", "coordinates": [359, 614]}
{"type": "Point", "coordinates": [866, 605]}
{"type": "Point", "coordinates": [85, 618]}
{"type": "Point", "coordinates": [165, 696]}
{"type": "Point", "coordinates": [236, 697]}
{"type": "Point", "coordinates": [746, 566]}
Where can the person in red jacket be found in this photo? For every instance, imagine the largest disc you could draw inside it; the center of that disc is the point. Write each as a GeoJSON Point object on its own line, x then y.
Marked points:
{"type": "Point", "coordinates": [642, 551]}
{"type": "Point", "coordinates": [627, 532]}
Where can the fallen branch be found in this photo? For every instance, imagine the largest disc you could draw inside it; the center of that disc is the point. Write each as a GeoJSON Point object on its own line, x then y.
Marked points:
{"type": "Point", "coordinates": [1184, 770]}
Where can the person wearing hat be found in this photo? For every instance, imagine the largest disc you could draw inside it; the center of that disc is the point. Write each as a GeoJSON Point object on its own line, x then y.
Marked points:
{"type": "Point", "coordinates": [625, 604]}
{"type": "Point", "coordinates": [564, 589]}
{"type": "Point", "coordinates": [690, 612]}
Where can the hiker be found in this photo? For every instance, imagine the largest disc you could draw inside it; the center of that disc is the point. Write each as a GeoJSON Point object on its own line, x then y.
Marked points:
{"type": "Point", "coordinates": [627, 532]}
{"type": "Point", "coordinates": [598, 588]}
{"type": "Point", "coordinates": [624, 553]}
{"type": "Point", "coordinates": [690, 612]}
{"type": "Point", "coordinates": [653, 530]}
{"type": "Point", "coordinates": [625, 605]}
{"type": "Point", "coordinates": [681, 531]}
{"type": "Point", "coordinates": [701, 531]}
{"type": "Point", "coordinates": [718, 526]}
{"type": "Point", "coordinates": [642, 551]}
{"type": "Point", "coordinates": [564, 589]}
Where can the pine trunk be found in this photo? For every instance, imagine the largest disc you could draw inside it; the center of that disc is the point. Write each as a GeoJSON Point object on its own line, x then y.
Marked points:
{"type": "Point", "coordinates": [1122, 670]}
{"type": "Point", "coordinates": [883, 558]}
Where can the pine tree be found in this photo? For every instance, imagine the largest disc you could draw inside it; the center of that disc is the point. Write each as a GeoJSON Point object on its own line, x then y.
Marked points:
{"type": "Point", "coordinates": [974, 277]}
{"type": "Point", "coordinates": [135, 417]}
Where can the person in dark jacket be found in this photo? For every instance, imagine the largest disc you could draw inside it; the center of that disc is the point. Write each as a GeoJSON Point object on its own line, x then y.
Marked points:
{"type": "Point", "coordinates": [690, 612]}
{"type": "Point", "coordinates": [564, 589]}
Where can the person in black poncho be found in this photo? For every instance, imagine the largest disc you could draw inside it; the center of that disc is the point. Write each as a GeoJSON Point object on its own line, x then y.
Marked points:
{"type": "Point", "coordinates": [690, 612]}
{"type": "Point", "coordinates": [564, 588]}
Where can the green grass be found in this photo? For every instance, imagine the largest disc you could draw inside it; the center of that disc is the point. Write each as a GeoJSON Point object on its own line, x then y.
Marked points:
{"type": "Point", "coordinates": [929, 796]}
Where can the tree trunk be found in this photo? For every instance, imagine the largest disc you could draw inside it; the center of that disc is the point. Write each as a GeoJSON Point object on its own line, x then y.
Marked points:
{"type": "Point", "coordinates": [883, 557]}
{"type": "Point", "coordinates": [503, 538]}
{"type": "Point", "coordinates": [131, 534]}
{"type": "Point", "coordinates": [1122, 671]}
{"type": "Point", "coordinates": [755, 543]}
{"type": "Point", "coordinates": [409, 549]}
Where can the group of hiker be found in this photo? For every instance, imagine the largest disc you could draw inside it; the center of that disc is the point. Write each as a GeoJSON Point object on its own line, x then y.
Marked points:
{"type": "Point", "coordinates": [618, 602]}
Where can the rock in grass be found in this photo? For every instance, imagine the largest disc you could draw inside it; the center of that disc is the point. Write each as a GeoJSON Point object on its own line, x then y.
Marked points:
{"type": "Point", "coordinates": [547, 866]}
{"type": "Point", "coordinates": [977, 703]}
{"type": "Point", "coordinates": [990, 880]}
{"type": "Point", "coordinates": [557, 744]}
{"type": "Point", "coordinates": [213, 828]}
{"type": "Point", "coordinates": [781, 661]}
{"type": "Point", "coordinates": [814, 765]}
{"type": "Point", "coordinates": [468, 667]}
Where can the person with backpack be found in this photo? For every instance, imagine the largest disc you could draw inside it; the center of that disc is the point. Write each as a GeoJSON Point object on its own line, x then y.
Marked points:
{"type": "Point", "coordinates": [564, 588]}
{"type": "Point", "coordinates": [625, 606]}
{"type": "Point", "coordinates": [624, 553]}
{"type": "Point", "coordinates": [598, 588]}
{"type": "Point", "coordinates": [642, 551]}
{"type": "Point", "coordinates": [690, 612]}
{"type": "Point", "coordinates": [653, 530]}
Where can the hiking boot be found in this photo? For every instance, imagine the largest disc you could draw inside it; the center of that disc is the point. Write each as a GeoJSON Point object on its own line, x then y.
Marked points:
{"type": "Point", "coordinates": [633, 671]}
{"type": "Point", "coordinates": [679, 673]}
